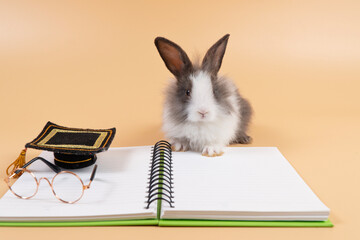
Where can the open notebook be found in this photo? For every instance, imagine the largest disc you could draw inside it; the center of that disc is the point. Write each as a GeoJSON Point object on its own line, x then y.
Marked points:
{"type": "Point", "coordinates": [247, 186]}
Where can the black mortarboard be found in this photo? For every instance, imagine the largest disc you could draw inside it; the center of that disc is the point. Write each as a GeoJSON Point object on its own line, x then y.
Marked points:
{"type": "Point", "coordinates": [72, 147]}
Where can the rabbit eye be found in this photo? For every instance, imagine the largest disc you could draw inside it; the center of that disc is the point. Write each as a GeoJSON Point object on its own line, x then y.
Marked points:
{"type": "Point", "coordinates": [188, 93]}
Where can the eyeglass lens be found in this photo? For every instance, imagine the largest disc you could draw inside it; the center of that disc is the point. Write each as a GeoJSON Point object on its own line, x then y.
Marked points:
{"type": "Point", "coordinates": [68, 187]}
{"type": "Point", "coordinates": [18, 187]}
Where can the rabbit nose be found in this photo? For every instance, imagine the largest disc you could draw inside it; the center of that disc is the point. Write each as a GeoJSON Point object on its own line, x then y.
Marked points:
{"type": "Point", "coordinates": [202, 113]}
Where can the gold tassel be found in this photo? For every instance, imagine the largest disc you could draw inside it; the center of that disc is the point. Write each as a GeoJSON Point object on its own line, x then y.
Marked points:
{"type": "Point", "coordinates": [18, 163]}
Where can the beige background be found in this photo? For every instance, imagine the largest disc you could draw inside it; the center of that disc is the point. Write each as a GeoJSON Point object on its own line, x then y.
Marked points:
{"type": "Point", "coordinates": [93, 64]}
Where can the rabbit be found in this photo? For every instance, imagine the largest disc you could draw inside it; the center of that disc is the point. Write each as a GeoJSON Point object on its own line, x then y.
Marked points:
{"type": "Point", "coordinates": [203, 112]}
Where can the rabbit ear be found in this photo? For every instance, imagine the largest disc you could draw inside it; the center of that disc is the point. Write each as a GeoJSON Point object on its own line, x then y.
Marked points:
{"type": "Point", "coordinates": [174, 57]}
{"type": "Point", "coordinates": [213, 58]}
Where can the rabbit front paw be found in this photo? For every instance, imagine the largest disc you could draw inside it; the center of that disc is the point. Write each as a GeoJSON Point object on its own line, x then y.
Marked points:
{"type": "Point", "coordinates": [179, 147]}
{"type": "Point", "coordinates": [212, 151]}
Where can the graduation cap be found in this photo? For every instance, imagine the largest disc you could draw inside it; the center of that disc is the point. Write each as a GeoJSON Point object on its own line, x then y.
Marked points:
{"type": "Point", "coordinates": [73, 147]}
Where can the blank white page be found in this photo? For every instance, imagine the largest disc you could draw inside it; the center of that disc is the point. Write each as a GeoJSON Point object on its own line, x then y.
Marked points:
{"type": "Point", "coordinates": [246, 183]}
{"type": "Point", "coordinates": [117, 192]}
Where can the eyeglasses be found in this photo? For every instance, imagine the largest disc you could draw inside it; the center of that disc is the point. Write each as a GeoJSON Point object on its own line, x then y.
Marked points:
{"type": "Point", "coordinates": [65, 185]}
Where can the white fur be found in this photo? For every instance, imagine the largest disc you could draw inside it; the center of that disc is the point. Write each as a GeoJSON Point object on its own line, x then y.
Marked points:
{"type": "Point", "coordinates": [209, 134]}
{"type": "Point", "coordinates": [202, 99]}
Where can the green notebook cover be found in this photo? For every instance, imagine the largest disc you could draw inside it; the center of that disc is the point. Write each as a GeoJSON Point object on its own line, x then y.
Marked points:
{"type": "Point", "coordinates": [172, 223]}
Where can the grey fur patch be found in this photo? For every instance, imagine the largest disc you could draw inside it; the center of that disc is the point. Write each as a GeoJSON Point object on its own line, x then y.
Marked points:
{"type": "Point", "coordinates": [222, 91]}
{"type": "Point", "coordinates": [245, 116]}
{"type": "Point", "coordinates": [176, 96]}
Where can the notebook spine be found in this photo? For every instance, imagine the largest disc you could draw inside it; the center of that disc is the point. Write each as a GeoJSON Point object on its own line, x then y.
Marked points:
{"type": "Point", "coordinates": [160, 184]}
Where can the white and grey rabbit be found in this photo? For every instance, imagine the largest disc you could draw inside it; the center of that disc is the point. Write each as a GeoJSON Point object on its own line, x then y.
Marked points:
{"type": "Point", "coordinates": [203, 111]}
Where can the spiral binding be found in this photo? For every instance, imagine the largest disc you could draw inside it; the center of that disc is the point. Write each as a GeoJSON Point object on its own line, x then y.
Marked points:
{"type": "Point", "coordinates": [160, 184]}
